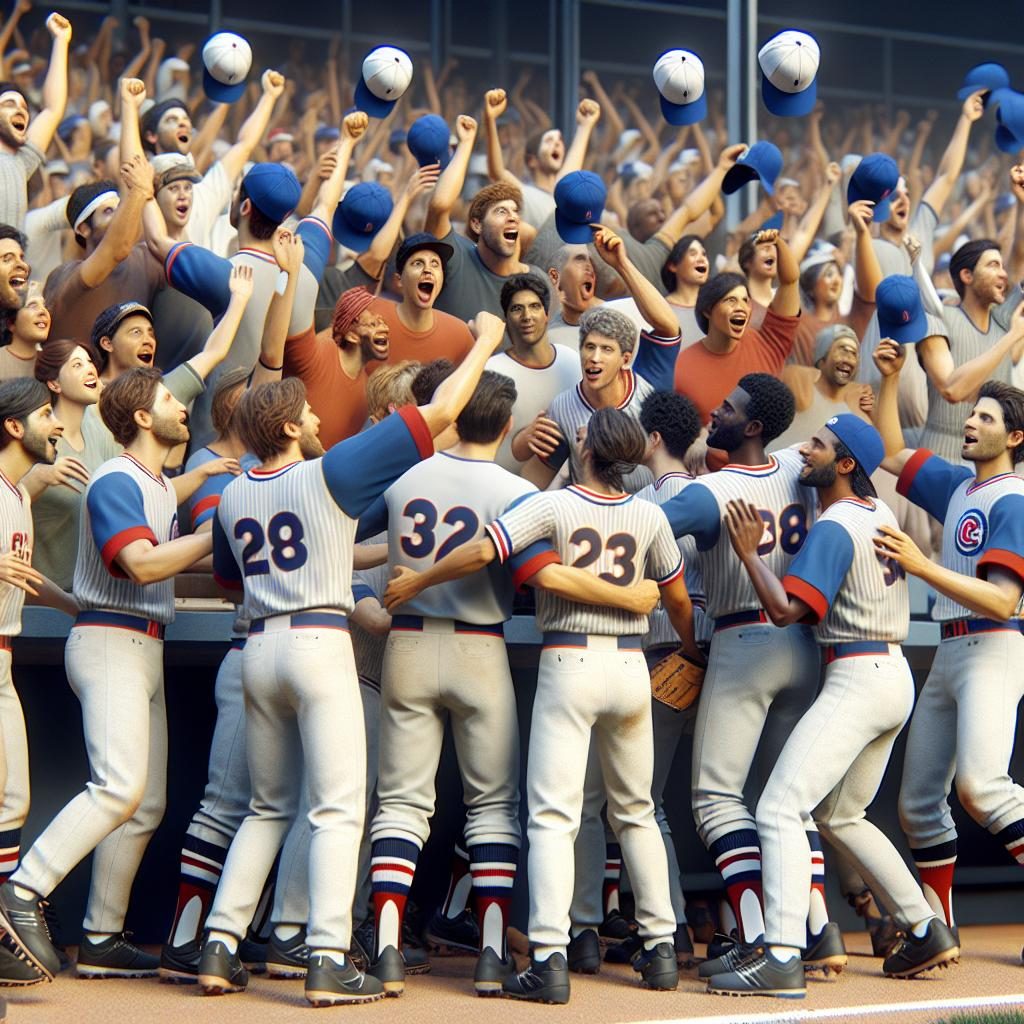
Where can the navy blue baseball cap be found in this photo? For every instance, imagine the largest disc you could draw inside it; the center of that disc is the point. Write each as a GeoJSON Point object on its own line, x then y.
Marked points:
{"type": "Point", "coordinates": [360, 215]}
{"type": "Point", "coordinates": [762, 161]}
{"type": "Point", "coordinates": [1010, 121]}
{"type": "Point", "coordinates": [429, 140]}
{"type": "Point", "coordinates": [326, 131]}
{"type": "Point", "coordinates": [900, 313]}
{"type": "Point", "coordinates": [874, 178]}
{"type": "Point", "coordinates": [579, 202]}
{"type": "Point", "coordinates": [989, 77]}
{"type": "Point", "coordinates": [861, 438]}
{"type": "Point", "coordinates": [422, 240]}
{"type": "Point", "coordinates": [273, 189]}
{"type": "Point", "coordinates": [774, 222]}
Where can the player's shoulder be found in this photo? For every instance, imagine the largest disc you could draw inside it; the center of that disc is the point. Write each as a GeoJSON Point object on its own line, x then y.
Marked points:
{"type": "Point", "coordinates": [1004, 485]}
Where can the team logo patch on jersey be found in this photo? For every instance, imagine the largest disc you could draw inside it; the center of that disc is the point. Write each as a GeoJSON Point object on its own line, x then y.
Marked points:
{"type": "Point", "coordinates": [971, 532]}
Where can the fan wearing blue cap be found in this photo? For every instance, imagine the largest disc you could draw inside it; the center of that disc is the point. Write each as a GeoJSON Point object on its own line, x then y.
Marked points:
{"type": "Point", "coordinates": [858, 600]}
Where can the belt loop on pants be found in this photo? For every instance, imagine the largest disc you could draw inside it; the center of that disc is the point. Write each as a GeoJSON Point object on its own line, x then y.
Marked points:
{"type": "Point", "coordinates": [858, 649]}
{"type": "Point", "coordinates": [419, 624]}
{"type": "Point", "coordinates": [755, 615]}
{"type": "Point", "coordinates": [955, 628]}
{"type": "Point", "coordinates": [119, 620]}
{"type": "Point", "coordinates": [632, 642]}
{"type": "Point", "coordinates": [299, 620]}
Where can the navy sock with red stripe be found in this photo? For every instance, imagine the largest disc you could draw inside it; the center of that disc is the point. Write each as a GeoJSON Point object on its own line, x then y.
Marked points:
{"type": "Point", "coordinates": [10, 852]}
{"type": "Point", "coordinates": [201, 866]}
{"type": "Point", "coordinates": [392, 867]}
{"type": "Point", "coordinates": [493, 866]}
{"type": "Point", "coordinates": [935, 866]}
{"type": "Point", "coordinates": [1012, 837]}
{"type": "Point", "coordinates": [612, 875]}
{"type": "Point", "coordinates": [738, 859]}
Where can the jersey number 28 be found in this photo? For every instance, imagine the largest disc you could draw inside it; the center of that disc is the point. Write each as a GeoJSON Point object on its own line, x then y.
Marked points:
{"type": "Point", "coordinates": [284, 534]}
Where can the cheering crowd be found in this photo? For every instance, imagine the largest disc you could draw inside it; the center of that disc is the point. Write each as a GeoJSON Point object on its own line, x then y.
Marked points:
{"type": "Point", "coordinates": [205, 272]}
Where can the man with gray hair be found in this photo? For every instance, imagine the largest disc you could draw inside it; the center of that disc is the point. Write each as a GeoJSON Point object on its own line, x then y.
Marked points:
{"type": "Point", "coordinates": [572, 273]}
{"type": "Point", "coordinates": [617, 372]}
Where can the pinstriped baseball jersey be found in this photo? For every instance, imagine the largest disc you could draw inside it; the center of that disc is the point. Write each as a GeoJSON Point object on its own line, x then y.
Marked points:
{"type": "Point", "coordinates": [16, 536]}
{"type": "Point", "coordinates": [787, 508]}
{"type": "Point", "coordinates": [124, 502]}
{"type": "Point", "coordinates": [571, 410]}
{"type": "Point", "coordinates": [983, 524]}
{"type": "Point", "coordinates": [615, 537]}
{"type": "Point", "coordinates": [853, 594]}
{"type": "Point", "coordinates": [438, 506]}
{"type": "Point", "coordinates": [288, 532]}
{"type": "Point", "coordinates": [661, 631]}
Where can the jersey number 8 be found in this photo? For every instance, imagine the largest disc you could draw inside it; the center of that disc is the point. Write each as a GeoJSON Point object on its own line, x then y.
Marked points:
{"type": "Point", "coordinates": [788, 531]}
{"type": "Point", "coordinates": [284, 532]}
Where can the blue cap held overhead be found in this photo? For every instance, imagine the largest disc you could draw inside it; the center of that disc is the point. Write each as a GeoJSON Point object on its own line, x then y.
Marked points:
{"type": "Point", "coordinates": [900, 313]}
{"type": "Point", "coordinates": [360, 215]}
{"type": "Point", "coordinates": [861, 438]}
{"type": "Point", "coordinates": [273, 189]}
{"type": "Point", "coordinates": [429, 140]}
{"type": "Point", "coordinates": [679, 76]}
{"type": "Point", "coordinates": [761, 162]}
{"type": "Point", "coordinates": [579, 202]}
{"type": "Point", "coordinates": [386, 74]}
{"type": "Point", "coordinates": [789, 66]}
{"type": "Point", "coordinates": [987, 77]}
{"type": "Point", "coordinates": [875, 178]}
{"type": "Point", "coordinates": [1010, 118]}
{"type": "Point", "coordinates": [774, 222]}
{"type": "Point", "coordinates": [326, 133]}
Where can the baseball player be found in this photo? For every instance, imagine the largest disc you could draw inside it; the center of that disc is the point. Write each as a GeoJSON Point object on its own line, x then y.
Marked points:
{"type": "Point", "coordinates": [28, 435]}
{"type": "Point", "coordinates": [835, 757]}
{"type": "Point", "coordinates": [593, 679]}
{"type": "Point", "coordinates": [754, 667]}
{"type": "Point", "coordinates": [128, 555]}
{"type": "Point", "coordinates": [285, 532]}
{"type": "Point", "coordinates": [965, 718]}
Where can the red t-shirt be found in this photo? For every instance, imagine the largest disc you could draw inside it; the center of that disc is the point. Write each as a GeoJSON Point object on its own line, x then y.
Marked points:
{"type": "Point", "coordinates": [449, 338]}
{"type": "Point", "coordinates": [707, 377]}
{"type": "Point", "coordinates": [339, 400]}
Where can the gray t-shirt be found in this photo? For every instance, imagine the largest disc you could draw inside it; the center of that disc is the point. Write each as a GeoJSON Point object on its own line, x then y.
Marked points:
{"type": "Point", "coordinates": [15, 170]}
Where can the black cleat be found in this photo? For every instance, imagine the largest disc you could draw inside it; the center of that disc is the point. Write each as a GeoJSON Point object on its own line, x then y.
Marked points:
{"type": "Point", "coordinates": [546, 982]}
{"type": "Point", "coordinates": [389, 969]}
{"type": "Point", "coordinates": [936, 948]}
{"type": "Point", "coordinates": [720, 944]}
{"type": "Point", "coordinates": [328, 983]}
{"type": "Point", "coordinates": [17, 972]}
{"type": "Point", "coordinates": [287, 958]}
{"type": "Point", "coordinates": [584, 953]}
{"type": "Point", "coordinates": [26, 929]}
{"type": "Point", "coordinates": [828, 951]}
{"type": "Point", "coordinates": [179, 965]}
{"type": "Point", "coordinates": [616, 927]}
{"type": "Point", "coordinates": [658, 968]}
{"type": "Point", "coordinates": [736, 954]}
{"type": "Point", "coordinates": [220, 972]}
{"type": "Point", "coordinates": [492, 972]}
{"type": "Point", "coordinates": [624, 951]}
{"type": "Point", "coordinates": [762, 975]}
{"type": "Point", "coordinates": [453, 936]}
{"type": "Point", "coordinates": [116, 957]}
{"type": "Point", "coordinates": [253, 954]}
{"type": "Point", "coordinates": [414, 953]}
{"type": "Point", "coordinates": [684, 947]}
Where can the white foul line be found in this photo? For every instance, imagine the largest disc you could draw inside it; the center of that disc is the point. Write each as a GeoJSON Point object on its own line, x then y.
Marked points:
{"type": "Point", "coordinates": [845, 1012]}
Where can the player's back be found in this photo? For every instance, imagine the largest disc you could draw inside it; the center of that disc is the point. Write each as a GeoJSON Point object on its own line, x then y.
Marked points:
{"type": "Point", "coordinates": [292, 542]}
{"type": "Point", "coordinates": [436, 507]}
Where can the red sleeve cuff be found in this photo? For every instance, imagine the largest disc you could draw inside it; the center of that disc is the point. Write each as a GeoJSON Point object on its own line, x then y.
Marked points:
{"type": "Point", "coordinates": [1008, 560]}
{"type": "Point", "coordinates": [119, 542]}
{"type": "Point", "coordinates": [527, 570]}
{"type": "Point", "coordinates": [226, 583]}
{"type": "Point", "coordinates": [811, 596]}
{"type": "Point", "coordinates": [417, 425]}
{"type": "Point", "coordinates": [672, 576]}
{"type": "Point", "coordinates": [210, 501]}
{"type": "Point", "coordinates": [910, 470]}
{"type": "Point", "coordinates": [171, 257]}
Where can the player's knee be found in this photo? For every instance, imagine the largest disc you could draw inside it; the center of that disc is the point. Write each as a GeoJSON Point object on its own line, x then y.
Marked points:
{"type": "Point", "coordinates": [975, 794]}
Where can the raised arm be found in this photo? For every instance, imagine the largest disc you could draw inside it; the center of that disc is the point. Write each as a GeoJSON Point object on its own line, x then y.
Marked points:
{"type": "Point", "coordinates": [352, 130]}
{"type": "Point", "coordinates": [701, 198]}
{"type": "Point", "coordinates": [889, 358]}
{"type": "Point", "coordinates": [807, 229]}
{"type": "Point", "coordinates": [43, 126]}
{"type": "Point", "coordinates": [133, 94]}
{"type": "Point", "coordinates": [134, 67]}
{"type": "Point", "coordinates": [288, 249]}
{"type": "Point", "coordinates": [255, 125]}
{"type": "Point", "coordinates": [866, 266]}
{"type": "Point", "coordinates": [615, 125]}
{"type": "Point", "coordinates": [953, 159]}
{"type": "Point", "coordinates": [20, 8]}
{"type": "Point", "coordinates": [786, 301]}
{"type": "Point", "coordinates": [453, 177]}
{"type": "Point", "coordinates": [495, 104]}
{"type": "Point", "coordinates": [219, 342]}
{"type": "Point", "coordinates": [588, 113]}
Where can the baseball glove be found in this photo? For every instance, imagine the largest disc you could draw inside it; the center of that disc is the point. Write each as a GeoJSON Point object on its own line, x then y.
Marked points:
{"type": "Point", "coordinates": [676, 680]}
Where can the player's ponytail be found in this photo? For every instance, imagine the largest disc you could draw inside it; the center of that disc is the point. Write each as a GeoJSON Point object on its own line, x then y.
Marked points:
{"type": "Point", "coordinates": [617, 445]}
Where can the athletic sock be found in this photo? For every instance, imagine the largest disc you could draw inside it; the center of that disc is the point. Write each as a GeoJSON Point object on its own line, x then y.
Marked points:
{"type": "Point", "coordinates": [460, 884]}
{"type": "Point", "coordinates": [784, 953]}
{"type": "Point", "coordinates": [935, 866]}
{"type": "Point", "coordinates": [493, 867]}
{"type": "Point", "coordinates": [738, 859]}
{"type": "Point", "coordinates": [612, 873]}
{"type": "Point", "coordinates": [10, 852]}
{"type": "Point", "coordinates": [817, 910]}
{"type": "Point", "coordinates": [286, 932]}
{"type": "Point", "coordinates": [1012, 837]}
{"type": "Point", "coordinates": [201, 864]}
{"type": "Point", "coordinates": [229, 940]}
{"type": "Point", "coordinates": [918, 930]}
{"type": "Point", "coordinates": [336, 956]}
{"type": "Point", "coordinates": [392, 866]}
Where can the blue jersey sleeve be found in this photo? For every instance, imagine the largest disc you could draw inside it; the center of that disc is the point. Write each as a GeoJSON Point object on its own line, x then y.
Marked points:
{"type": "Point", "coordinates": [694, 511]}
{"type": "Point", "coordinates": [226, 571]}
{"type": "Point", "coordinates": [316, 241]}
{"type": "Point", "coordinates": [655, 360]}
{"type": "Point", "coordinates": [117, 517]}
{"type": "Point", "coordinates": [361, 468]}
{"type": "Point", "coordinates": [374, 520]}
{"type": "Point", "coordinates": [930, 482]}
{"type": "Point", "coordinates": [1005, 547]}
{"type": "Point", "coordinates": [202, 506]}
{"type": "Point", "coordinates": [819, 568]}
{"type": "Point", "coordinates": [200, 274]}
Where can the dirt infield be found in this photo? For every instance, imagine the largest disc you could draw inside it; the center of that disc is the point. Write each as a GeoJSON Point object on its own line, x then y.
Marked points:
{"type": "Point", "coordinates": [990, 971]}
